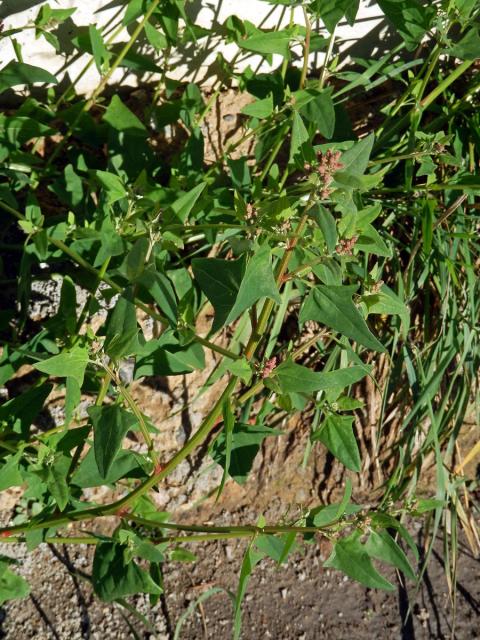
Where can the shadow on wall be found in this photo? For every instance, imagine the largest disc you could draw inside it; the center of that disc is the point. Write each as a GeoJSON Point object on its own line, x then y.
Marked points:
{"type": "Point", "coordinates": [9, 7]}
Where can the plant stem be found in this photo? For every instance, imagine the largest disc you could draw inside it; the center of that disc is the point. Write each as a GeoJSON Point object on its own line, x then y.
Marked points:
{"type": "Point", "coordinates": [306, 48]}
{"type": "Point", "coordinates": [136, 411]}
{"type": "Point", "coordinates": [323, 75]}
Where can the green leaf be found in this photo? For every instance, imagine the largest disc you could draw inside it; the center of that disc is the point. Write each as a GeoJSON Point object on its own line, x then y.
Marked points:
{"type": "Point", "coordinates": [274, 546]}
{"type": "Point", "coordinates": [336, 433]}
{"type": "Point", "coordinates": [268, 43]}
{"type": "Point", "coordinates": [260, 108]}
{"type": "Point", "coordinates": [127, 464]}
{"type": "Point", "coordinates": [183, 205]}
{"type": "Point", "coordinates": [250, 560]}
{"type": "Point", "coordinates": [296, 378]}
{"type": "Point", "coordinates": [160, 288]}
{"type": "Point", "coordinates": [381, 546]}
{"type": "Point", "coordinates": [258, 282]}
{"type": "Point", "coordinates": [350, 556]}
{"type": "Point", "coordinates": [411, 18]}
{"type": "Point", "coordinates": [333, 307]}
{"type": "Point", "coordinates": [68, 364]}
{"type": "Point", "coordinates": [10, 473]}
{"type": "Point", "coordinates": [57, 480]}
{"type": "Point", "coordinates": [155, 37]}
{"type": "Point", "coordinates": [468, 48]}
{"type": "Point", "coordinates": [355, 160]}
{"type": "Point", "coordinates": [12, 586]}
{"type": "Point", "coordinates": [167, 357]}
{"type": "Point", "coordinates": [113, 578]}
{"type": "Point", "coordinates": [113, 186]}
{"type": "Point", "coordinates": [320, 112]}
{"type": "Point", "coordinates": [245, 443]}
{"type": "Point", "coordinates": [220, 281]}
{"type": "Point", "coordinates": [136, 258]}
{"type": "Point", "coordinates": [122, 329]}
{"type": "Point", "coordinates": [332, 11]}
{"type": "Point", "coordinates": [22, 410]}
{"type": "Point", "coordinates": [298, 138]}
{"type": "Point", "coordinates": [323, 516]}
{"type": "Point", "coordinates": [385, 302]}
{"type": "Point", "coordinates": [120, 117]}
{"type": "Point", "coordinates": [110, 425]}
{"type": "Point", "coordinates": [99, 50]}
{"type": "Point", "coordinates": [327, 224]}
{"type": "Point", "coordinates": [371, 241]}
{"type": "Point", "coordinates": [15, 74]}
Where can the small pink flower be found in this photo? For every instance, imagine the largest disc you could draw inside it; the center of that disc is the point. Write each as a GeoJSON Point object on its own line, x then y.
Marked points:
{"type": "Point", "coordinates": [345, 247]}
{"type": "Point", "coordinates": [269, 367]}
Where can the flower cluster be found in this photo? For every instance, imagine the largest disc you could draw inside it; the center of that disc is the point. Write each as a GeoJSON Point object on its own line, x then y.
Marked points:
{"type": "Point", "coordinates": [268, 367]}
{"type": "Point", "coordinates": [251, 212]}
{"type": "Point", "coordinates": [328, 164]}
{"type": "Point", "coordinates": [345, 246]}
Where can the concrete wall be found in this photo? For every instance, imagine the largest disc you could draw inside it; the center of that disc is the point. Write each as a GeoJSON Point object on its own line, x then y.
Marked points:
{"type": "Point", "coordinates": [184, 65]}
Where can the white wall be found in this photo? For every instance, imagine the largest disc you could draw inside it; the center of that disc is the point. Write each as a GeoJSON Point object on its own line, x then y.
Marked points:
{"type": "Point", "coordinates": [38, 52]}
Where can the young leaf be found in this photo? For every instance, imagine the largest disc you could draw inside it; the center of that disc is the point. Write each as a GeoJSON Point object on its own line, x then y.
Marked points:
{"type": "Point", "coordinates": [333, 307]}
{"type": "Point", "coordinates": [160, 288]}
{"type": "Point", "coordinates": [337, 435]}
{"type": "Point", "coordinates": [327, 224]}
{"type": "Point", "coordinates": [113, 578]}
{"type": "Point", "coordinates": [381, 546]}
{"type": "Point", "coordinates": [110, 425]}
{"type": "Point", "coordinates": [136, 257]}
{"type": "Point", "coordinates": [68, 364]}
{"type": "Point", "coordinates": [349, 556]}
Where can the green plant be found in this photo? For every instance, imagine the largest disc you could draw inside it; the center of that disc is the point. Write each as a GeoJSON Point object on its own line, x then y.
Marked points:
{"type": "Point", "coordinates": [285, 232]}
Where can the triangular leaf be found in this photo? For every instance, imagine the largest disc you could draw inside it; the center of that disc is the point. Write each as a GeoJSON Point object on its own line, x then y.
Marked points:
{"type": "Point", "coordinates": [333, 307]}
{"type": "Point", "coordinates": [336, 433]}
{"type": "Point", "coordinates": [110, 425]}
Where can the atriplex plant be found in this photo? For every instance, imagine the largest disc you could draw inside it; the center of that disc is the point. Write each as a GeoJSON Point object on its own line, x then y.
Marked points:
{"type": "Point", "coordinates": [287, 231]}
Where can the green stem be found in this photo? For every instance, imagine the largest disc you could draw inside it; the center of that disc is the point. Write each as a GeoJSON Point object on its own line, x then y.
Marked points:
{"type": "Point", "coordinates": [323, 75]}
{"type": "Point", "coordinates": [198, 437]}
{"type": "Point", "coordinates": [306, 48]}
{"type": "Point", "coordinates": [138, 414]}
